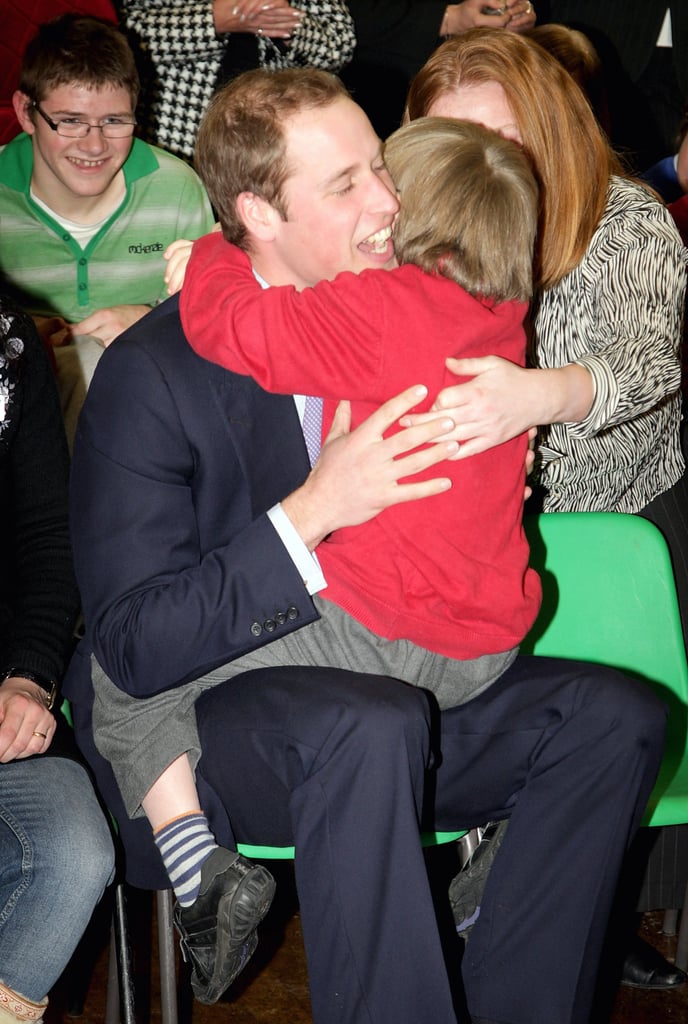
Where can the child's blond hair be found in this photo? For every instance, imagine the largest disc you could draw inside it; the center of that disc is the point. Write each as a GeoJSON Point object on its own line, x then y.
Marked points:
{"type": "Point", "coordinates": [469, 206]}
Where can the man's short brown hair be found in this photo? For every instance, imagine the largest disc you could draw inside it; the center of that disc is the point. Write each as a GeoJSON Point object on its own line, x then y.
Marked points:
{"type": "Point", "coordinates": [241, 146]}
{"type": "Point", "coordinates": [469, 205]}
{"type": "Point", "coordinates": [76, 48]}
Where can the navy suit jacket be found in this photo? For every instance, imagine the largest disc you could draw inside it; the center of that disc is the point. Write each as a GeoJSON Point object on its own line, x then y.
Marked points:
{"type": "Point", "coordinates": [176, 462]}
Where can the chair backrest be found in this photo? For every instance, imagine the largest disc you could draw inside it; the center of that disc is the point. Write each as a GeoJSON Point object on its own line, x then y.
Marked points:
{"type": "Point", "coordinates": [609, 596]}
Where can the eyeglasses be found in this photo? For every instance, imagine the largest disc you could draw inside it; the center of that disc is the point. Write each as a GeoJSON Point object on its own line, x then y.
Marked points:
{"type": "Point", "coordinates": [72, 128]}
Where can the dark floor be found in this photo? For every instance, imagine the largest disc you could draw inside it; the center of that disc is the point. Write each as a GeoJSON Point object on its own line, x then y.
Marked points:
{"type": "Point", "coordinates": [273, 988]}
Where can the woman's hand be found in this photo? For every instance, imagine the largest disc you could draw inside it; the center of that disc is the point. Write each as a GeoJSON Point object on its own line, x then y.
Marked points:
{"type": "Point", "coordinates": [522, 16]}
{"type": "Point", "coordinates": [518, 15]}
{"type": "Point", "coordinates": [494, 406]}
{"type": "Point", "coordinates": [26, 725]}
{"type": "Point", "coordinates": [460, 18]}
{"type": "Point", "coordinates": [502, 400]}
{"type": "Point", "coordinates": [274, 18]}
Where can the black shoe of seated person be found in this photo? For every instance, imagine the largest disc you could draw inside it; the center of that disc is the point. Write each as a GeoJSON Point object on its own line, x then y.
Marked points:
{"type": "Point", "coordinates": [218, 931]}
{"type": "Point", "coordinates": [466, 888]}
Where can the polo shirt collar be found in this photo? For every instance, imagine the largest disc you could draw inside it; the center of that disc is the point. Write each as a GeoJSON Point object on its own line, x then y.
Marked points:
{"type": "Point", "coordinates": [16, 163]}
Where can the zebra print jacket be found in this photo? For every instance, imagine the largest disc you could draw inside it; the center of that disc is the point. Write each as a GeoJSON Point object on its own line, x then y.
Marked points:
{"type": "Point", "coordinates": [181, 54]}
{"type": "Point", "coordinates": [619, 313]}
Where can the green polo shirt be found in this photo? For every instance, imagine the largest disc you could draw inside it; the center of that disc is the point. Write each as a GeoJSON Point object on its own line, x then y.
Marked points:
{"type": "Point", "coordinates": [49, 273]}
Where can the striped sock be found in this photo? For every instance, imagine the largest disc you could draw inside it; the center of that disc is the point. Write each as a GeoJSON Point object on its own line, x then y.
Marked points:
{"type": "Point", "coordinates": [185, 844]}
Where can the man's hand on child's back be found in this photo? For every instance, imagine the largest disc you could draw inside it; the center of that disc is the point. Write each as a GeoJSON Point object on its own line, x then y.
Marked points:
{"type": "Point", "coordinates": [360, 472]}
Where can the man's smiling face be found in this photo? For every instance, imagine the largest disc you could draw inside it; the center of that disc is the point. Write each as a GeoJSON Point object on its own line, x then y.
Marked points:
{"type": "Point", "coordinates": [339, 197]}
{"type": "Point", "coordinates": [65, 169]}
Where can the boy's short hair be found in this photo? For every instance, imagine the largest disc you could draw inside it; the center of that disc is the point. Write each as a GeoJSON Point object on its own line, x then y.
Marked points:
{"type": "Point", "coordinates": [76, 48]}
{"type": "Point", "coordinates": [241, 146]}
{"type": "Point", "coordinates": [469, 206]}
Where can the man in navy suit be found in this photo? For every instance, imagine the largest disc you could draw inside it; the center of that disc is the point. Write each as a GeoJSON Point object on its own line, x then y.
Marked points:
{"type": "Point", "coordinates": [195, 518]}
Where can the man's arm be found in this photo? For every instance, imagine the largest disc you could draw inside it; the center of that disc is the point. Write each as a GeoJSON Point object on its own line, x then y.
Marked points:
{"type": "Point", "coordinates": [176, 563]}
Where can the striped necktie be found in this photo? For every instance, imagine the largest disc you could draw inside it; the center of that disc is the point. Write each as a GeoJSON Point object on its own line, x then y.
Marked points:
{"type": "Point", "coordinates": [312, 426]}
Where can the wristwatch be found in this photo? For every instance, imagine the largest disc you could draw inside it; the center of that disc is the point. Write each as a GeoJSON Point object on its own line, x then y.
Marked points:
{"type": "Point", "coordinates": [49, 686]}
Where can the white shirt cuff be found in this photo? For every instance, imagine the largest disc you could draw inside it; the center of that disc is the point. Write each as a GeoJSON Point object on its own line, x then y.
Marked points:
{"type": "Point", "coordinates": [306, 563]}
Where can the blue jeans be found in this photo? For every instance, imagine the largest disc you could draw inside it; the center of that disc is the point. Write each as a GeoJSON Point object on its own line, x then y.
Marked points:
{"type": "Point", "coordinates": [56, 857]}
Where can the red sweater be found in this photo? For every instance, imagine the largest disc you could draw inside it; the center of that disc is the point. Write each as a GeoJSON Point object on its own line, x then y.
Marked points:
{"type": "Point", "coordinates": [449, 573]}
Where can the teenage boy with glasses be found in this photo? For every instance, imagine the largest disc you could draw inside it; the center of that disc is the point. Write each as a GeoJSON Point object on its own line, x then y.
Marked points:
{"type": "Point", "coordinates": [87, 210]}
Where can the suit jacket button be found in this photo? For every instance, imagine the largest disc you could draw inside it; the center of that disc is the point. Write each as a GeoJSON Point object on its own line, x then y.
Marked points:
{"type": "Point", "coordinates": [256, 628]}
{"type": "Point", "coordinates": [292, 612]}
{"type": "Point", "coordinates": [269, 625]}
{"type": "Point", "coordinates": [281, 618]}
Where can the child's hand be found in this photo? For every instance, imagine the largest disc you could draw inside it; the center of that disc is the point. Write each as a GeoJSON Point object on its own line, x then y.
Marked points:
{"type": "Point", "coordinates": [177, 255]}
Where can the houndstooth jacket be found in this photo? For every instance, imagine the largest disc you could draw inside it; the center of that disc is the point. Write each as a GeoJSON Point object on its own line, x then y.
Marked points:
{"type": "Point", "coordinates": [181, 57]}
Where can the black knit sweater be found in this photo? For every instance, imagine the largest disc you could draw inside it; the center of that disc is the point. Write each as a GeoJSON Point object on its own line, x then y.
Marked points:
{"type": "Point", "coordinates": [38, 595]}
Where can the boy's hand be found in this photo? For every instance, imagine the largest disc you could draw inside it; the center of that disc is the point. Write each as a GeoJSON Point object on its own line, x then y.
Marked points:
{"type": "Point", "coordinates": [107, 324]}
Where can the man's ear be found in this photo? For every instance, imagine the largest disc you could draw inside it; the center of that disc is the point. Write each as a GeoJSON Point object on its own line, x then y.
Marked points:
{"type": "Point", "coordinates": [257, 215]}
{"type": "Point", "coordinates": [22, 108]}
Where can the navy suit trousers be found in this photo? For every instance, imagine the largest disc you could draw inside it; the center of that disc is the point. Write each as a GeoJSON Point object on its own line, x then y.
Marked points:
{"type": "Point", "coordinates": [345, 765]}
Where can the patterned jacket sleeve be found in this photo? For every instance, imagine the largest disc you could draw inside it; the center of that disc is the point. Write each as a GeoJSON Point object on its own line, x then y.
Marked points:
{"type": "Point", "coordinates": [181, 56]}
{"type": "Point", "coordinates": [628, 295]}
{"type": "Point", "coordinates": [639, 294]}
{"type": "Point", "coordinates": [174, 31]}
{"type": "Point", "coordinates": [325, 38]}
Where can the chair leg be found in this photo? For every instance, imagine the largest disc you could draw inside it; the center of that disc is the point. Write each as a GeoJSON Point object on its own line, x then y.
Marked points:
{"type": "Point", "coordinates": [669, 922]}
{"type": "Point", "coordinates": [112, 994]}
{"type": "Point", "coordinates": [123, 958]}
{"type": "Point", "coordinates": [166, 948]}
{"type": "Point", "coordinates": [682, 944]}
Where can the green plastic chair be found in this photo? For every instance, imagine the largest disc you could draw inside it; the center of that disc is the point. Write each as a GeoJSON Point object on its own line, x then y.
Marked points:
{"type": "Point", "coordinates": [609, 596]}
{"type": "Point", "coordinates": [287, 852]}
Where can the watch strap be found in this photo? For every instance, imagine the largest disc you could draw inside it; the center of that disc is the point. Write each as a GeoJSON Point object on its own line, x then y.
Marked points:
{"type": "Point", "coordinates": [49, 686]}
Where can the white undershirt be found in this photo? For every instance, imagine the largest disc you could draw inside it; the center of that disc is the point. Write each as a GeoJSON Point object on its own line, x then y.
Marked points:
{"type": "Point", "coordinates": [81, 233]}
{"type": "Point", "coordinates": [665, 37]}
